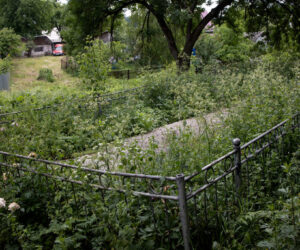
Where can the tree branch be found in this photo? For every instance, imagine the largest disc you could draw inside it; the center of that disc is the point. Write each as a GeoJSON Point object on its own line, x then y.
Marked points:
{"type": "Point", "coordinates": [200, 27]}
{"type": "Point", "coordinates": [164, 27]}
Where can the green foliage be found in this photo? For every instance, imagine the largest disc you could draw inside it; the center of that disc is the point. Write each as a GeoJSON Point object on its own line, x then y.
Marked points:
{"type": "Point", "coordinates": [206, 49]}
{"type": "Point", "coordinates": [234, 47]}
{"type": "Point", "coordinates": [283, 62]}
{"type": "Point", "coordinates": [167, 97]}
{"type": "Point", "coordinates": [276, 224]}
{"type": "Point", "coordinates": [5, 65]}
{"type": "Point", "coordinates": [145, 41]}
{"type": "Point", "coordinates": [51, 216]}
{"type": "Point", "coordinates": [46, 75]}
{"type": "Point", "coordinates": [10, 43]}
{"type": "Point", "coordinates": [27, 17]}
{"type": "Point", "coordinates": [226, 45]}
{"type": "Point", "coordinates": [94, 62]}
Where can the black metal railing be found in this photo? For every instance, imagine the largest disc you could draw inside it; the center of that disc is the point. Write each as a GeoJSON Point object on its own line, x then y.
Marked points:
{"type": "Point", "coordinates": [198, 196]}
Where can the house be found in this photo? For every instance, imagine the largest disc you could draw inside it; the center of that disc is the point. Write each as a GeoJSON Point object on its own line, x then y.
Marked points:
{"type": "Point", "coordinates": [43, 44]}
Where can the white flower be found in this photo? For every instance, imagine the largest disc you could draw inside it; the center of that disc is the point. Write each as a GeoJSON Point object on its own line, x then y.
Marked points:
{"type": "Point", "coordinates": [2, 202]}
{"type": "Point", "coordinates": [13, 206]}
{"type": "Point", "coordinates": [2, 129]}
{"type": "Point", "coordinates": [4, 177]}
{"type": "Point", "coordinates": [15, 124]}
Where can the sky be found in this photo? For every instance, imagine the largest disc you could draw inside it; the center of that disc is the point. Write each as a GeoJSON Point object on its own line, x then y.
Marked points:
{"type": "Point", "coordinates": [208, 8]}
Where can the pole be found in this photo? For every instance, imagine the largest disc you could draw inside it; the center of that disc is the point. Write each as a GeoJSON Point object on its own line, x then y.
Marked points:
{"type": "Point", "coordinates": [183, 210]}
{"type": "Point", "coordinates": [237, 163]}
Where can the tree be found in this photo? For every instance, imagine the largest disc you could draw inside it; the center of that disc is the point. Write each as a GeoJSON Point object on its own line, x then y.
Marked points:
{"type": "Point", "coordinates": [278, 19]}
{"type": "Point", "coordinates": [27, 17]}
{"type": "Point", "coordinates": [57, 18]}
{"type": "Point", "coordinates": [143, 37]}
{"type": "Point", "coordinates": [10, 43]}
{"type": "Point", "coordinates": [185, 14]}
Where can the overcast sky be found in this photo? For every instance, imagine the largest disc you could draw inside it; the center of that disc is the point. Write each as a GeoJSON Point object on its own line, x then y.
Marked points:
{"type": "Point", "coordinates": [208, 8]}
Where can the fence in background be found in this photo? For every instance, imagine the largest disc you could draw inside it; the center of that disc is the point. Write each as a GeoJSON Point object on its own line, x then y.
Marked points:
{"type": "Point", "coordinates": [69, 64]}
{"type": "Point", "coordinates": [197, 196]}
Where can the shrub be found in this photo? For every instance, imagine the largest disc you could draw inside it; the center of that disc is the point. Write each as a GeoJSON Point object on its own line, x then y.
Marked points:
{"type": "Point", "coordinates": [46, 75]}
{"type": "Point", "coordinates": [10, 43]}
{"type": "Point", "coordinates": [5, 65]}
{"type": "Point", "coordinates": [95, 62]}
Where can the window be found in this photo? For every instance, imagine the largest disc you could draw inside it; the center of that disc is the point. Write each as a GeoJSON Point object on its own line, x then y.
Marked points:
{"type": "Point", "coordinates": [39, 49]}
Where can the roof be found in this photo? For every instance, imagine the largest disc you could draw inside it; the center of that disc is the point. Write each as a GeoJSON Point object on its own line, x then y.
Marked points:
{"type": "Point", "coordinates": [54, 35]}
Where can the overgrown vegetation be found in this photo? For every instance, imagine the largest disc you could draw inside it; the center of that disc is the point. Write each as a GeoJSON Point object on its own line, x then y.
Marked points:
{"type": "Point", "coordinates": [5, 65]}
{"type": "Point", "coordinates": [251, 85]}
{"type": "Point", "coordinates": [46, 75]}
{"type": "Point", "coordinates": [269, 218]}
{"type": "Point", "coordinates": [166, 98]}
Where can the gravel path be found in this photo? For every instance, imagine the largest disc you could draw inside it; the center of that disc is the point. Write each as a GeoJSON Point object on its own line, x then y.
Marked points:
{"type": "Point", "coordinates": [158, 136]}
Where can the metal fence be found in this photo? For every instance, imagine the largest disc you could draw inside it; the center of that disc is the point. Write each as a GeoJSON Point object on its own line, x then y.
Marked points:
{"type": "Point", "coordinates": [203, 198]}
{"type": "Point", "coordinates": [71, 65]}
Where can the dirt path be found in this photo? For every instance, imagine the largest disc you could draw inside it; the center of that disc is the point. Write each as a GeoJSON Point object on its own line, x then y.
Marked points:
{"type": "Point", "coordinates": [158, 136]}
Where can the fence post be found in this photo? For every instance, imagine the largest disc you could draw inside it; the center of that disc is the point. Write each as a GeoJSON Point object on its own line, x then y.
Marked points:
{"type": "Point", "coordinates": [237, 163]}
{"type": "Point", "coordinates": [183, 210]}
{"type": "Point", "coordinates": [128, 74]}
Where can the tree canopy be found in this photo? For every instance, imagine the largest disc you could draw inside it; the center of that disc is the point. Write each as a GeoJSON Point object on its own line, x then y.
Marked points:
{"type": "Point", "coordinates": [282, 16]}
{"type": "Point", "coordinates": [26, 17]}
{"type": "Point", "coordinates": [185, 15]}
{"type": "Point", "coordinates": [10, 43]}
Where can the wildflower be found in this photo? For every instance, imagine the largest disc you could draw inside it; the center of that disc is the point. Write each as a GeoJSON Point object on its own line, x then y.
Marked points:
{"type": "Point", "coordinates": [13, 206]}
{"type": "Point", "coordinates": [32, 155]}
{"type": "Point", "coordinates": [2, 129]}
{"type": "Point", "coordinates": [15, 124]}
{"type": "Point", "coordinates": [2, 202]}
{"type": "Point", "coordinates": [4, 177]}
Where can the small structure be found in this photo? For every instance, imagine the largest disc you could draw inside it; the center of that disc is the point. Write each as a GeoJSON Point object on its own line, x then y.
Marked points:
{"type": "Point", "coordinates": [44, 44]}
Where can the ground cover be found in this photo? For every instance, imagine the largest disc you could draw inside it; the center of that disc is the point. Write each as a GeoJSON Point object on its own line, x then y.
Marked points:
{"type": "Point", "coordinates": [77, 126]}
{"type": "Point", "coordinates": [255, 97]}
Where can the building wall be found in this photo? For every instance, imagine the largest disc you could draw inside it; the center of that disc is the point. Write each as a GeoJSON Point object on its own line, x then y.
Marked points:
{"type": "Point", "coordinates": [42, 50]}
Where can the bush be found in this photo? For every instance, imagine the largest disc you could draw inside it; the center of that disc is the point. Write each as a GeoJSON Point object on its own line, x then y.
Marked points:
{"type": "Point", "coordinates": [10, 43]}
{"type": "Point", "coordinates": [5, 65]}
{"type": "Point", "coordinates": [46, 75]}
{"type": "Point", "coordinates": [95, 62]}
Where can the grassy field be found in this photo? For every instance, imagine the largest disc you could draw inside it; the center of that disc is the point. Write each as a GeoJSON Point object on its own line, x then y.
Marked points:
{"type": "Point", "coordinates": [26, 70]}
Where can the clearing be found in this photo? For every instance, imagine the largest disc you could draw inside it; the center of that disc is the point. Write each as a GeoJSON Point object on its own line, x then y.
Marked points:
{"type": "Point", "coordinates": [26, 70]}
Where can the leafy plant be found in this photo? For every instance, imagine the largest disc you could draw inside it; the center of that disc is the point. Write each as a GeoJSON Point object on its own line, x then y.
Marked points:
{"type": "Point", "coordinates": [5, 65]}
{"type": "Point", "coordinates": [10, 43]}
{"type": "Point", "coordinates": [46, 75]}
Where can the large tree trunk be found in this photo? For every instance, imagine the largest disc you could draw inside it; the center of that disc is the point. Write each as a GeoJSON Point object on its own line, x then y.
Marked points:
{"type": "Point", "coordinates": [183, 58]}
{"type": "Point", "coordinates": [184, 61]}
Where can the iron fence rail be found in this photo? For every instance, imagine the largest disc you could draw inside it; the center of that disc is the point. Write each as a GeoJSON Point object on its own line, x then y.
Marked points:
{"type": "Point", "coordinates": [184, 189]}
